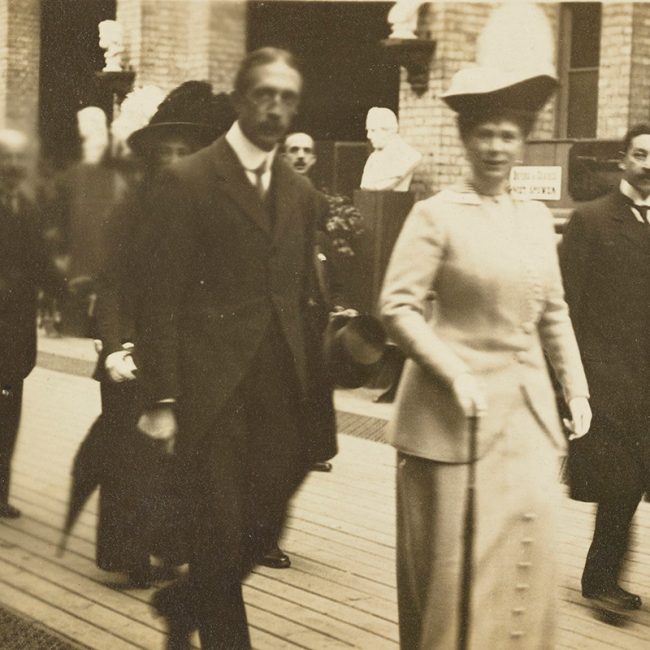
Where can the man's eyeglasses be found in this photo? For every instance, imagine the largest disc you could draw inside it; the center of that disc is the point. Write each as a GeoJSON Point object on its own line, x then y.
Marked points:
{"type": "Point", "coordinates": [265, 97]}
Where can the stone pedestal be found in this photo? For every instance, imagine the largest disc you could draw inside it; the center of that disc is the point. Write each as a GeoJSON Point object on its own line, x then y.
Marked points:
{"type": "Point", "coordinates": [384, 214]}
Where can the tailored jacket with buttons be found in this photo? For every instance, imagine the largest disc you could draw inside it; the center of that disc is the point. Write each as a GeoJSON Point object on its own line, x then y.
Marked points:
{"type": "Point", "coordinates": [223, 267]}
{"type": "Point", "coordinates": [499, 304]}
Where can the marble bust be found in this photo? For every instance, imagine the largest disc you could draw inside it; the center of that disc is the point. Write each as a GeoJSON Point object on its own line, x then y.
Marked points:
{"type": "Point", "coordinates": [111, 39]}
{"type": "Point", "coordinates": [403, 18]}
{"type": "Point", "coordinates": [391, 164]}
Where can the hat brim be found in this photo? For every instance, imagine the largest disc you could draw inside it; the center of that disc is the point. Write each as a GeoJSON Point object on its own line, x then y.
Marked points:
{"type": "Point", "coordinates": [483, 88]}
{"type": "Point", "coordinates": [142, 140]}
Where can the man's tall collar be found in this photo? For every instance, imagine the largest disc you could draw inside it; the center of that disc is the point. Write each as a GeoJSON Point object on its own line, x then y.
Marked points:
{"type": "Point", "coordinates": [250, 156]}
{"type": "Point", "coordinates": [631, 193]}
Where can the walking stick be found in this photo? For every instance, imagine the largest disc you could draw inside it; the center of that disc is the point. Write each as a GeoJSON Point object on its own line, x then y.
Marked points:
{"type": "Point", "coordinates": [468, 540]}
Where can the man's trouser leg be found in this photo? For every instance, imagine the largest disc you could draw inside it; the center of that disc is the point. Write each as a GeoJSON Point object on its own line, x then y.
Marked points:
{"type": "Point", "coordinates": [11, 399]}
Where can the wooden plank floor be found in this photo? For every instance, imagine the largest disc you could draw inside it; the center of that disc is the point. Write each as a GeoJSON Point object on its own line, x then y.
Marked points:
{"type": "Point", "coordinates": [339, 593]}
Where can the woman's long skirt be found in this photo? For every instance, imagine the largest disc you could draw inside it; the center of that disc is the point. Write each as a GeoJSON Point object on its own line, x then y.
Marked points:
{"type": "Point", "coordinates": [514, 580]}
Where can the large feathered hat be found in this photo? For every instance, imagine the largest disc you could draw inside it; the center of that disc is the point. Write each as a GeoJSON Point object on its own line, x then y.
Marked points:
{"type": "Point", "coordinates": [191, 109]}
{"type": "Point", "coordinates": [514, 64]}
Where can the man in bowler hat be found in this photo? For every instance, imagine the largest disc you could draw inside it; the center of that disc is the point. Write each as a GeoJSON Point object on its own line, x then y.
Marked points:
{"type": "Point", "coordinates": [605, 257]}
{"type": "Point", "coordinates": [229, 357]}
{"type": "Point", "coordinates": [24, 267]}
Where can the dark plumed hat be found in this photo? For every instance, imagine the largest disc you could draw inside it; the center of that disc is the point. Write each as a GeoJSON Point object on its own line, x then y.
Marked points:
{"type": "Point", "coordinates": [192, 110]}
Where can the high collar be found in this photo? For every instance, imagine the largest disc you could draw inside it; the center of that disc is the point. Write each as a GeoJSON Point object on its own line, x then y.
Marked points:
{"type": "Point", "coordinates": [465, 192]}
{"type": "Point", "coordinates": [631, 193]}
{"type": "Point", "coordinates": [250, 156]}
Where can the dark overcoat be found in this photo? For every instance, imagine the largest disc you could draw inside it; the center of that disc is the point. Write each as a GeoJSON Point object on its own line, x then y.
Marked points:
{"type": "Point", "coordinates": [130, 469]}
{"type": "Point", "coordinates": [24, 267]}
{"type": "Point", "coordinates": [223, 268]}
{"type": "Point", "coordinates": [605, 258]}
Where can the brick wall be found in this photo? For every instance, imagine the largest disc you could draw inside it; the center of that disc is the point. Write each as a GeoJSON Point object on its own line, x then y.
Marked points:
{"type": "Point", "coordinates": [227, 47]}
{"type": "Point", "coordinates": [640, 68]}
{"type": "Point", "coordinates": [614, 75]}
{"type": "Point", "coordinates": [169, 42]}
{"type": "Point", "coordinates": [19, 64]}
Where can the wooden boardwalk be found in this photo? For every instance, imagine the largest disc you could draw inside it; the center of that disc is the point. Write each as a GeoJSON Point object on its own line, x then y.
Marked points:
{"type": "Point", "coordinates": [339, 593]}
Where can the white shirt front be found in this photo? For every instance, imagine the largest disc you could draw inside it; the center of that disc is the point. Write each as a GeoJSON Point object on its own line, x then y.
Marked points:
{"type": "Point", "coordinates": [634, 196]}
{"type": "Point", "coordinates": [251, 156]}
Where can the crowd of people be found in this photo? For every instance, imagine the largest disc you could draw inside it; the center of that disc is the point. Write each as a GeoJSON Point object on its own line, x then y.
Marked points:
{"type": "Point", "coordinates": [217, 398]}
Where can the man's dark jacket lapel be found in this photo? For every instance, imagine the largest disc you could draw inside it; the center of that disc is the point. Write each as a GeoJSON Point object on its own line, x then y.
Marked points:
{"type": "Point", "coordinates": [231, 179]}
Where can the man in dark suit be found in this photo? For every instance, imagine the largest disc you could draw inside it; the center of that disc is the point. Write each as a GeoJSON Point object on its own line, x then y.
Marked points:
{"type": "Point", "coordinates": [605, 256]}
{"type": "Point", "coordinates": [229, 354]}
{"type": "Point", "coordinates": [24, 266]}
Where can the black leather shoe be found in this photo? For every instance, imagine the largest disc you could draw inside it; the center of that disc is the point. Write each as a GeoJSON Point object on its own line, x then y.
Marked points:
{"type": "Point", "coordinates": [8, 511]}
{"type": "Point", "coordinates": [614, 597]}
{"type": "Point", "coordinates": [276, 558]}
{"type": "Point", "coordinates": [321, 466]}
{"type": "Point", "coordinates": [180, 624]}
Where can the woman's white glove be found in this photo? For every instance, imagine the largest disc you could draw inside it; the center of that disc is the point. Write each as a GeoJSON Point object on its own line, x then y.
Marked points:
{"type": "Point", "coordinates": [580, 417]}
{"type": "Point", "coordinates": [120, 366]}
{"type": "Point", "coordinates": [469, 395]}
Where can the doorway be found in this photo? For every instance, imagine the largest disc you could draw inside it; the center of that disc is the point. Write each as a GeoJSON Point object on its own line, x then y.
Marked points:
{"type": "Point", "coordinates": [70, 56]}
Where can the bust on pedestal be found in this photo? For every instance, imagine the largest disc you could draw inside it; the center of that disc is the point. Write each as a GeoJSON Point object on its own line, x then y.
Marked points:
{"type": "Point", "coordinates": [111, 39]}
{"type": "Point", "coordinates": [392, 163]}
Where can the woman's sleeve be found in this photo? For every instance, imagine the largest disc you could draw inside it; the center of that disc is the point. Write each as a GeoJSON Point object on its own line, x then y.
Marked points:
{"type": "Point", "coordinates": [414, 264]}
{"type": "Point", "coordinates": [556, 330]}
{"type": "Point", "coordinates": [112, 322]}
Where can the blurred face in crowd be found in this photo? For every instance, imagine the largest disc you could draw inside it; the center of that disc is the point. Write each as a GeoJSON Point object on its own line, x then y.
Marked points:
{"type": "Point", "coordinates": [268, 103]}
{"type": "Point", "coordinates": [299, 151]}
{"type": "Point", "coordinates": [171, 149]}
{"type": "Point", "coordinates": [636, 164]}
{"type": "Point", "coordinates": [492, 148]}
{"type": "Point", "coordinates": [13, 159]}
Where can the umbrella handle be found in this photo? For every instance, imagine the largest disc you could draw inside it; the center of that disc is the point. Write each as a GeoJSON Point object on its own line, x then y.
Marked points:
{"type": "Point", "coordinates": [464, 609]}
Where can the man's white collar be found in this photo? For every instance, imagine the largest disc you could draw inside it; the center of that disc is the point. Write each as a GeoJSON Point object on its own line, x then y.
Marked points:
{"type": "Point", "coordinates": [250, 155]}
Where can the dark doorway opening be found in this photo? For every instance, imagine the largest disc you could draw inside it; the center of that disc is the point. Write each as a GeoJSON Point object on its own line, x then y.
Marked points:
{"type": "Point", "coordinates": [70, 56]}
{"type": "Point", "coordinates": [345, 69]}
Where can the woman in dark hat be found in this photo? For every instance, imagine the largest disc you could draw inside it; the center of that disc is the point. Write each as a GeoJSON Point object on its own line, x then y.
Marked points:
{"type": "Point", "coordinates": [491, 259]}
{"type": "Point", "coordinates": [189, 118]}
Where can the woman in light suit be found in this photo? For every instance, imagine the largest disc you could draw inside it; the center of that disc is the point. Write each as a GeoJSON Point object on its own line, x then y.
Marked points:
{"type": "Point", "coordinates": [490, 259]}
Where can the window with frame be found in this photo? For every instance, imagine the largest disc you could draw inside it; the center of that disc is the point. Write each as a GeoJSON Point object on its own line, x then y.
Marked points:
{"type": "Point", "coordinates": [580, 26]}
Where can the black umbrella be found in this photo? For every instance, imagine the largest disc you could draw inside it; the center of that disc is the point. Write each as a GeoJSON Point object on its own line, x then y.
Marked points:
{"type": "Point", "coordinates": [90, 468]}
{"type": "Point", "coordinates": [468, 540]}
{"type": "Point", "coordinates": [143, 499]}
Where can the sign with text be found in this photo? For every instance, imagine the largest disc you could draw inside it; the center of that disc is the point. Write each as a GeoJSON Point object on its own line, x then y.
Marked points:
{"type": "Point", "coordinates": [541, 183]}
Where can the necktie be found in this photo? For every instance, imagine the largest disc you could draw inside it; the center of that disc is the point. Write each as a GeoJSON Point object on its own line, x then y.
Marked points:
{"type": "Point", "coordinates": [259, 181]}
{"type": "Point", "coordinates": [643, 211]}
